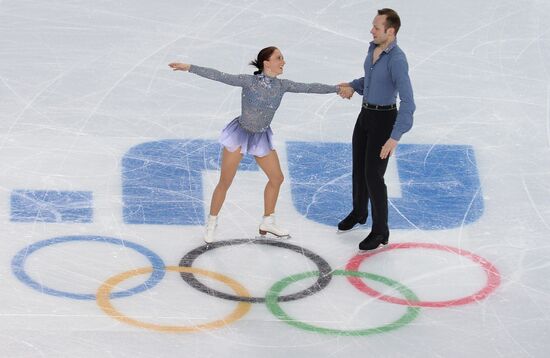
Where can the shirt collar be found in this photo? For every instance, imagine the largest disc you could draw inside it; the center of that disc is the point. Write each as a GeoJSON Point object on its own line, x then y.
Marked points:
{"type": "Point", "coordinates": [390, 47]}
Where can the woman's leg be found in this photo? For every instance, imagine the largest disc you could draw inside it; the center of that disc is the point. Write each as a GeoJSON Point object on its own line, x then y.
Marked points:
{"type": "Point", "coordinates": [230, 164]}
{"type": "Point", "coordinates": [272, 168]}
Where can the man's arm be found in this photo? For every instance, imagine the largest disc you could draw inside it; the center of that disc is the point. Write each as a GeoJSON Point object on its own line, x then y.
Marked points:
{"type": "Point", "coordinates": [358, 85]}
{"type": "Point", "coordinates": [399, 71]}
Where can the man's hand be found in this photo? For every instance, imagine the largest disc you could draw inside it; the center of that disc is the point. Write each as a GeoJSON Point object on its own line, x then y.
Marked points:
{"type": "Point", "coordinates": [388, 148]}
{"type": "Point", "coordinates": [346, 91]}
{"type": "Point", "coordinates": [176, 66]}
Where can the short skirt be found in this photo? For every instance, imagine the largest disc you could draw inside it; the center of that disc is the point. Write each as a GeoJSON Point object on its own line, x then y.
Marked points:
{"type": "Point", "coordinates": [234, 136]}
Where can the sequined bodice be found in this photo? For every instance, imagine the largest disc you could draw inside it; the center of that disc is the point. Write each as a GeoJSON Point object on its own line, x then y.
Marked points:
{"type": "Point", "coordinates": [261, 94]}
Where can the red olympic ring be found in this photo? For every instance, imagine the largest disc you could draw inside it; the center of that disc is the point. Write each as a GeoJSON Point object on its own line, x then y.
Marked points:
{"type": "Point", "coordinates": [493, 276]}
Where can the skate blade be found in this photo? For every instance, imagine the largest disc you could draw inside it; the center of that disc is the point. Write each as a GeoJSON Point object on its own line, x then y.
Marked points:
{"type": "Point", "coordinates": [356, 227]}
{"type": "Point", "coordinates": [273, 236]}
{"type": "Point", "coordinates": [376, 248]}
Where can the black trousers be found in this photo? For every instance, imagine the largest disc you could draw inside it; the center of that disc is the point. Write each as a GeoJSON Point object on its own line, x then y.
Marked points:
{"type": "Point", "coordinates": [372, 130]}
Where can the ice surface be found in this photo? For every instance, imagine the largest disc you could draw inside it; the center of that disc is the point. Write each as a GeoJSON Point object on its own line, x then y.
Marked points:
{"type": "Point", "coordinates": [108, 160]}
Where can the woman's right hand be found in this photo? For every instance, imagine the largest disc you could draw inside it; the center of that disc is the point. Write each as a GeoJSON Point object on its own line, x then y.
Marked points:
{"type": "Point", "coordinates": [176, 66]}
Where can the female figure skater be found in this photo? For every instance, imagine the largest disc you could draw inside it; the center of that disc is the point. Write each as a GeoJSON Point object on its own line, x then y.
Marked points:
{"type": "Point", "coordinates": [250, 133]}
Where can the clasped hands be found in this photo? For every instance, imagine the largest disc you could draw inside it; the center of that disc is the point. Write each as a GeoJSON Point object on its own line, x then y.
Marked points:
{"type": "Point", "coordinates": [346, 91]}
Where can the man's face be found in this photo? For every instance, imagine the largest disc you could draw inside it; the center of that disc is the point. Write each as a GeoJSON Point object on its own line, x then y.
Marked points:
{"type": "Point", "coordinates": [378, 31]}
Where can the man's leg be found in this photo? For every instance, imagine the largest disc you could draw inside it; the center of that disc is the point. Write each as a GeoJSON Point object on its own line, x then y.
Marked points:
{"type": "Point", "coordinates": [380, 125]}
{"type": "Point", "coordinates": [359, 212]}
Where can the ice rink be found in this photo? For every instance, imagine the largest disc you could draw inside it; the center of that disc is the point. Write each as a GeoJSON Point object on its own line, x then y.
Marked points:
{"type": "Point", "coordinates": [108, 160]}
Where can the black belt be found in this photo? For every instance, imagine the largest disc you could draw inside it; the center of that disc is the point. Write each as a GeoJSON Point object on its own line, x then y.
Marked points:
{"type": "Point", "coordinates": [378, 107]}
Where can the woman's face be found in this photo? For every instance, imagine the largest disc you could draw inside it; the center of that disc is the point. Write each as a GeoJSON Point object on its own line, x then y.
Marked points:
{"type": "Point", "coordinates": [274, 66]}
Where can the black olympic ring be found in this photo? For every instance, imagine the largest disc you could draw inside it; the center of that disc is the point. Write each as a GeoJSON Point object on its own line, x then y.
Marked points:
{"type": "Point", "coordinates": [325, 271]}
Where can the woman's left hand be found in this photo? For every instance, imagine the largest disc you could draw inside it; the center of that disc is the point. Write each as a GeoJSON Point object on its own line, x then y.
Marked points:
{"type": "Point", "coordinates": [176, 66]}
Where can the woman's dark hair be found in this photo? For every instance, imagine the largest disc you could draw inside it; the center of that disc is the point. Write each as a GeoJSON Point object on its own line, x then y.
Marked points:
{"type": "Point", "coordinates": [263, 55]}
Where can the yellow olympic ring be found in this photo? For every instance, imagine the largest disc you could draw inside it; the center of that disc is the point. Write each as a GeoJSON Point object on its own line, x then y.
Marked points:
{"type": "Point", "coordinates": [104, 292]}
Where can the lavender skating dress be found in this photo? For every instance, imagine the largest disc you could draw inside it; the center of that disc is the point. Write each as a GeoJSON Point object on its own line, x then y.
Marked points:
{"type": "Point", "coordinates": [261, 96]}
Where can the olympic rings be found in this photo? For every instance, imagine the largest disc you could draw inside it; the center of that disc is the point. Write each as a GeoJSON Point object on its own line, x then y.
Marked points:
{"type": "Point", "coordinates": [104, 303]}
{"type": "Point", "coordinates": [324, 270]}
{"type": "Point", "coordinates": [18, 266]}
{"type": "Point", "coordinates": [493, 276]}
{"type": "Point", "coordinates": [273, 297]}
{"type": "Point", "coordinates": [275, 308]}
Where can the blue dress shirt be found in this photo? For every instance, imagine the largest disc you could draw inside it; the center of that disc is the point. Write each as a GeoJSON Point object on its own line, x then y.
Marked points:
{"type": "Point", "coordinates": [383, 80]}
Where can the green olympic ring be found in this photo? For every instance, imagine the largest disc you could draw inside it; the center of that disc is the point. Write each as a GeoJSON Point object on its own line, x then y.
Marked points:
{"type": "Point", "coordinates": [273, 304]}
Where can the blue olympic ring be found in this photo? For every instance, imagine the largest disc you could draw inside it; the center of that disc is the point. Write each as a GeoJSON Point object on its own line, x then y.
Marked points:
{"type": "Point", "coordinates": [18, 266]}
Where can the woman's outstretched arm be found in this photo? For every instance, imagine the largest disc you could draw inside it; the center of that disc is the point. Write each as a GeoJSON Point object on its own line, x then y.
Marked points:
{"type": "Point", "coordinates": [212, 74]}
{"type": "Point", "coordinates": [298, 87]}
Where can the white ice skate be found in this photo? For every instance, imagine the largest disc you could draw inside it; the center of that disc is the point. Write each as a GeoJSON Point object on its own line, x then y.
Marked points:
{"type": "Point", "coordinates": [210, 230]}
{"type": "Point", "coordinates": [268, 225]}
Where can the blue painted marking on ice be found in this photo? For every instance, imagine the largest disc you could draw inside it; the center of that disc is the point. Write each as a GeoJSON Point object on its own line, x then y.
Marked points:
{"type": "Point", "coordinates": [439, 184]}
{"type": "Point", "coordinates": [51, 206]}
{"type": "Point", "coordinates": [162, 181]}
